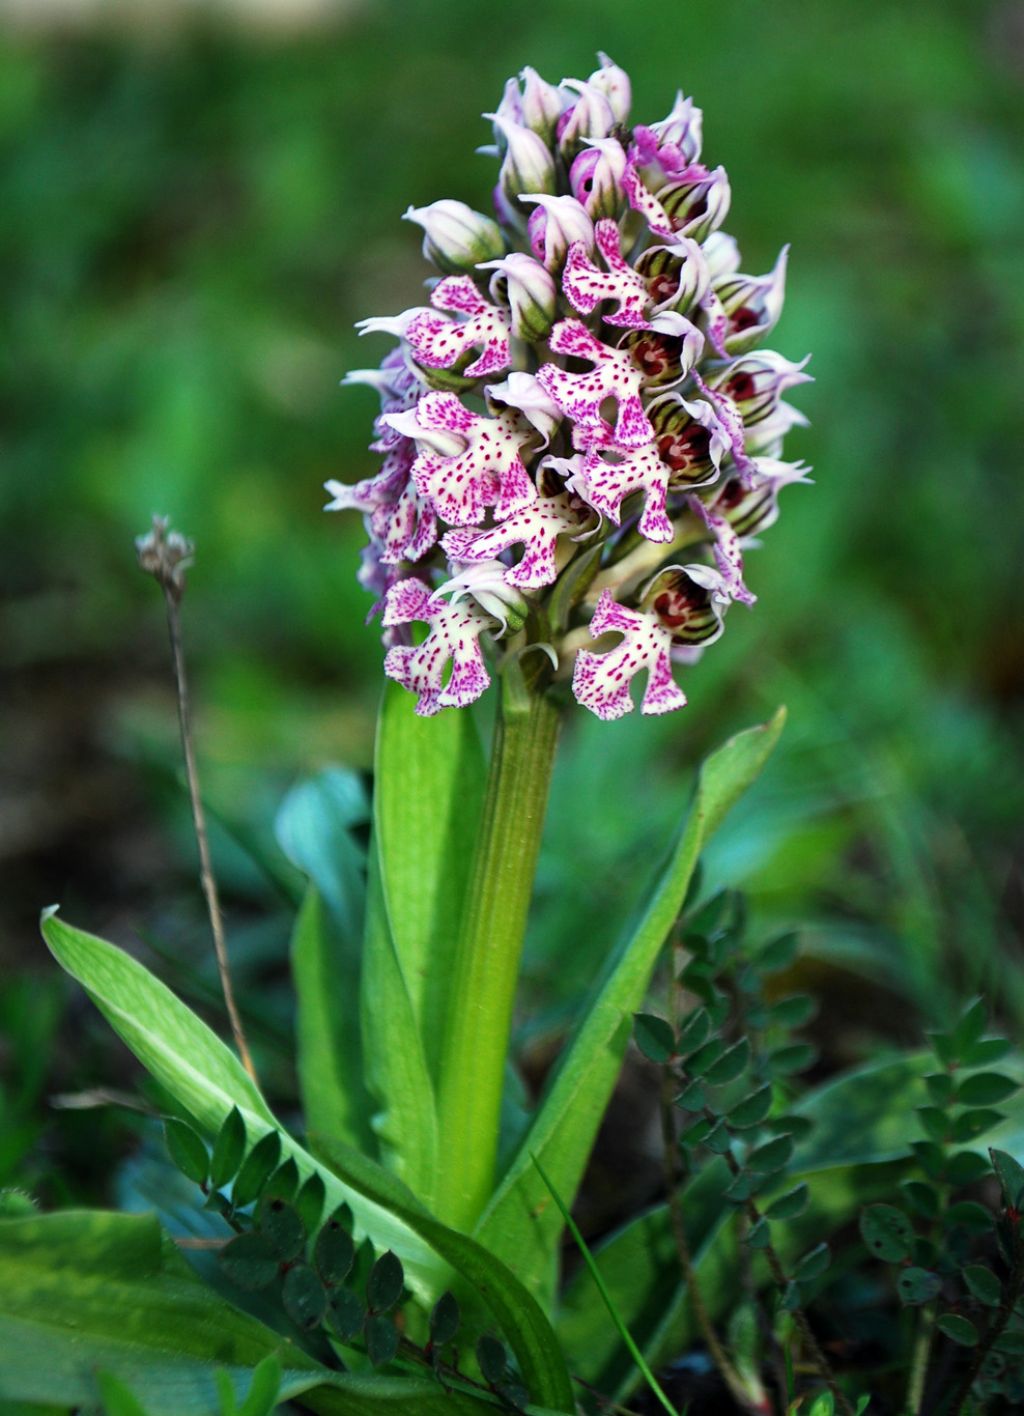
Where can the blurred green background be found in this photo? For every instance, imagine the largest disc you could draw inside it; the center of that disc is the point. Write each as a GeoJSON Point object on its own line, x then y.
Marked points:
{"type": "Point", "coordinates": [193, 213]}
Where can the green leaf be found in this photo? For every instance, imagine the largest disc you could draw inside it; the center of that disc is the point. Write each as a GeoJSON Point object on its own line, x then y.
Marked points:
{"type": "Point", "coordinates": [347, 1313]}
{"type": "Point", "coordinates": [1012, 1343]}
{"type": "Point", "coordinates": [791, 1204]}
{"type": "Point", "coordinates": [187, 1151]}
{"type": "Point", "coordinates": [1010, 1175]}
{"type": "Point", "coordinates": [969, 1215]}
{"type": "Point", "coordinates": [940, 1087]}
{"type": "Point", "coordinates": [654, 1037]}
{"type": "Point", "coordinates": [718, 1139]}
{"type": "Point", "coordinates": [181, 1052]}
{"type": "Point", "coordinates": [759, 1236]}
{"type": "Point", "coordinates": [970, 1026]}
{"type": "Point", "coordinates": [975, 1123]}
{"type": "Point", "coordinates": [985, 1089]}
{"type": "Point", "coordinates": [87, 1292]}
{"type": "Point", "coordinates": [778, 954]}
{"type": "Point", "coordinates": [520, 1226]}
{"type": "Point", "coordinates": [793, 1012]}
{"type": "Point", "coordinates": [250, 1261]}
{"type": "Point", "coordinates": [316, 828]}
{"type": "Point", "coordinates": [935, 1123]}
{"type": "Point", "coordinates": [384, 1287]}
{"type": "Point", "coordinates": [692, 1098]}
{"type": "Point", "coordinates": [813, 1264]}
{"type": "Point", "coordinates": [257, 1168]}
{"type": "Point", "coordinates": [405, 1121]}
{"type": "Point", "coordinates": [694, 1134]}
{"type": "Point", "coordinates": [694, 1032]}
{"type": "Point", "coordinates": [329, 1052]}
{"type": "Point", "coordinates": [283, 1229]}
{"type": "Point", "coordinates": [381, 1339]}
{"type": "Point", "coordinates": [429, 781]}
{"type": "Point", "coordinates": [228, 1149]}
{"type": "Point", "coordinates": [205, 1078]}
{"type": "Point", "coordinates": [742, 1188]}
{"type": "Point", "coordinates": [334, 1251]}
{"type": "Point", "coordinates": [491, 1358]}
{"type": "Point", "coordinates": [118, 1400]}
{"type": "Point", "coordinates": [444, 1320]}
{"type": "Point", "coordinates": [730, 1065]}
{"type": "Point", "coordinates": [988, 1049]}
{"type": "Point", "coordinates": [309, 1202]}
{"type": "Point", "coordinates": [983, 1284]}
{"type": "Point", "coordinates": [537, 1351]}
{"type": "Point", "coordinates": [887, 1232]}
{"type": "Point", "coordinates": [787, 1061]}
{"type": "Point", "coordinates": [964, 1168]}
{"type": "Point", "coordinates": [266, 1386]}
{"type": "Point", "coordinates": [705, 1057]}
{"type": "Point", "coordinates": [917, 1285]}
{"type": "Point", "coordinates": [303, 1297]}
{"type": "Point", "coordinates": [773, 1155]}
{"type": "Point", "coordinates": [961, 1330]}
{"type": "Point", "coordinates": [752, 1110]}
{"type": "Point", "coordinates": [283, 1183]}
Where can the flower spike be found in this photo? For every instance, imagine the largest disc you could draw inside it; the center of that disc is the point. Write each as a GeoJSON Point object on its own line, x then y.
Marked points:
{"type": "Point", "coordinates": [583, 391]}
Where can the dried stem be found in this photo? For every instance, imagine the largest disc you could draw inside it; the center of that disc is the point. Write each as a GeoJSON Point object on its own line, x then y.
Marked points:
{"type": "Point", "coordinates": [172, 596]}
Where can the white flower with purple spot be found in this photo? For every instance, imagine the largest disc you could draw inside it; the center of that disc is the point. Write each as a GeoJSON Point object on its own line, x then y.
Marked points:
{"type": "Point", "coordinates": [614, 376]}
{"type": "Point", "coordinates": [439, 342]}
{"type": "Point", "coordinates": [536, 528]}
{"type": "Point", "coordinates": [467, 462]}
{"type": "Point", "coordinates": [447, 670]}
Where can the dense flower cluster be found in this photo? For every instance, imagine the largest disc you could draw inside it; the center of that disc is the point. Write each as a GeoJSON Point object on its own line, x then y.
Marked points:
{"type": "Point", "coordinates": [563, 421]}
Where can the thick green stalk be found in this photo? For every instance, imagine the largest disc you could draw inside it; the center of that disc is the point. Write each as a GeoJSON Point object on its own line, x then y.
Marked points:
{"type": "Point", "coordinates": [486, 965]}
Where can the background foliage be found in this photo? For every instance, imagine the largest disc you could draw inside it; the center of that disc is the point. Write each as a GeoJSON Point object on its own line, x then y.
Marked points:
{"type": "Point", "coordinates": [194, 216]}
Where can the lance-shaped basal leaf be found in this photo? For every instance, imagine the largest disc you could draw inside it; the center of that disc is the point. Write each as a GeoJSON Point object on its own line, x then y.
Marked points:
{"type": "Point", "coordinates": [429, 780]}
{"type": "Point", "coordinates": [521, 1225]}
{"type": "Point", "coordinates": [429, 777]}
{"type": "Point", "coordinates": [206, 1078]}
{"type": "Point", "coordinates": [316, 828]}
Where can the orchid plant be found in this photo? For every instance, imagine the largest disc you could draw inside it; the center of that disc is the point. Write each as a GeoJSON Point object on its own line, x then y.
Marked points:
{"type": "Point", "coordinates": [579, 437]}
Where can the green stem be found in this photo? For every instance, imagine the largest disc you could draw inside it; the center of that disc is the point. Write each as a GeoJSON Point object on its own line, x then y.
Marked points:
{"type": "Point", "coordinates": [486, 964]}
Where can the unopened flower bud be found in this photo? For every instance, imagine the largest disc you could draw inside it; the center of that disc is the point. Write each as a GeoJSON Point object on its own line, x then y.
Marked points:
{"type": "Point", "coordinates": [554, 225]}
{"type": "Point", "coordinates": [457, 238]}
{"type": "Point", "coordinates": [591, 116]}
{"type": "Point", "coordinates": [682, 128]}
{"type": "Point", "coordinates": [529, 291]}
{"type": "Point", "coordinates": [166, 555]}
{"type": "Point", "coordinates": [721, 253]}
{"type": "Point", "coordinates": [596, 178]}
{"type": "Point", "coordinates": [527, 165]}
{"type": "Point", "coordinates": [614, 83]}
{"type": "Point", "coordinates": [537, 104]}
